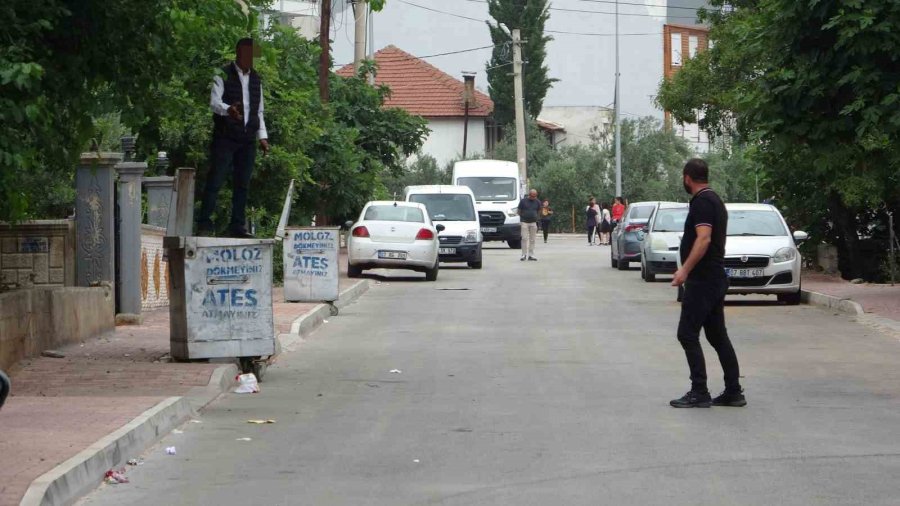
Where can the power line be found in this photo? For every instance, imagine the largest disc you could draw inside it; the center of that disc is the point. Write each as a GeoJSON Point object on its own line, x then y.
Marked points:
{"type": "Point", "coordinates": [585, 11]}
{"type": "Point", "coordinates": [663, 6]}
{"type": "Point", "coordinates": [561, 32]}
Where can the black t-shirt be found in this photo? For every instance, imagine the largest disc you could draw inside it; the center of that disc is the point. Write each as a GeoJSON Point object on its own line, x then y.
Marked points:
{"type": "Point", "coordinates": [529, 209]}
{"type": "Point", "coordinates": [707, 210]}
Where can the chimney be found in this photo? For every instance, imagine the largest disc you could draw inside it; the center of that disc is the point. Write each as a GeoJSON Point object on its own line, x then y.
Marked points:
{"type": "Point", "coordinates": [469, 90]}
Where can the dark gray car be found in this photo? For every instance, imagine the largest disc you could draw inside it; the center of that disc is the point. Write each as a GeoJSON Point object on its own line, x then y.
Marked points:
{"type": "Point", "coordinates": [626, 238]}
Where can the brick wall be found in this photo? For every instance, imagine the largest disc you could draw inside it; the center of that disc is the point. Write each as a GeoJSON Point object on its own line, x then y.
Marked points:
{"type": "Point", "coordinates": [154, 269]}
{"type": "Point", "coordinates": [36, 254]}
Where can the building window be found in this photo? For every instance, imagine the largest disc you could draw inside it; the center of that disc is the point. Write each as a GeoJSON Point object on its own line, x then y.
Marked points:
{"type": "Point", "coordinates": [676, 49]}
{"type": "Point", "coordinates": [692, 46]}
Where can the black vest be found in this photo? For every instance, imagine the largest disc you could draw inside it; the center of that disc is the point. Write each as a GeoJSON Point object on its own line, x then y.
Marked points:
{"type": "Point", "coordinates": [225, 126]}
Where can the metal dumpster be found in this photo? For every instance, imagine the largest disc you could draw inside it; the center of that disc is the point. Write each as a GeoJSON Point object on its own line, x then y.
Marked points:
{"type": "Point", "coordinates": [220, 299]}
{"type": "Point", "coordinates": [311, 270]}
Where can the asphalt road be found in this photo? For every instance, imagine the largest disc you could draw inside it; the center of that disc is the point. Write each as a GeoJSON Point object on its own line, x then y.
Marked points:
{"type": "Point", "coordinates": [536, 383]}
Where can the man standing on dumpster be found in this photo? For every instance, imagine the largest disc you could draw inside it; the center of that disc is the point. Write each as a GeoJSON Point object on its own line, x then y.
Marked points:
{"type": "Point", "coordinates": [705, 283]}
{"type": "Point", "coordinates": [237, 105]}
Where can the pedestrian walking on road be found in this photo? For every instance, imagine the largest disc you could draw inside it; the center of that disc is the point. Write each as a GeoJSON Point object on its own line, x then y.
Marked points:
{"type": "Point", "coordinates": [546, 217]}
{"type": "Point", "coordinates": [236, 101]}
{"type": "Point", "coordinates": [605, 226]}
{"type": "Point", "coordinates": [592, 211]}
{"type": "Point", "coordinates": [529, 212]}
{"type": "Point", "coordinates": [702, 273]}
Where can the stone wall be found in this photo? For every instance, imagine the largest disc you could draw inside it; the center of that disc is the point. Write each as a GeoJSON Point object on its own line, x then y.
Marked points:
{"type": "Point", "coordinates": [38, 253]}
{"type": "Point", "coordinates": [34, 320]}
{"type": "Point", "coordinates": [154, 269]}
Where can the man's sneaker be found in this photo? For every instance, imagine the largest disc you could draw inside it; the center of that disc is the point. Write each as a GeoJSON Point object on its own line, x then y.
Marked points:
{"type": "Point", "coordinates": [731, 399]}
{"type": "Point", "coordinates": [532, 259]}
{"type": "Point", "coordinates": [692, 400]}
{"type": "Point", "coordinates": [522, 259]}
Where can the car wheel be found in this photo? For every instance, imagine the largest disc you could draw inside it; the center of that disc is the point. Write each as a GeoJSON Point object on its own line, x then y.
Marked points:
{"type": "Point", "coordinates": [353, 271]}
{"type": "Point", "coordinates": [680, 296]}
{"type": "Point", "coordinates": [432, 274]}
{"type": "Point", "coordinates": [475, 265]}
{"type": "Point", "coordinates": [515, 243]}
{"type": "Point", "coordinates": [646, 274]}
{"type": "Point", "coordinates": [622, 264]}
{"type": "Point", "coordinates": [612, 260]}
{"type": "Point", "coordinates": [791, 299]}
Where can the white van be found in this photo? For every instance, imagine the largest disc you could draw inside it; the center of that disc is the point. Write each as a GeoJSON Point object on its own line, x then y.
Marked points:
{"type": "Point", "coordinates": [454, 208]}
{"type": "Point", "coordinates": [496, 186]}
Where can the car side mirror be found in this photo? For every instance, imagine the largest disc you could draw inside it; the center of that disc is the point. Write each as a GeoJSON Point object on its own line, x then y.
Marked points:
{"type": "Point", "coordinates": [440, 228]}
{"type": "Point", "coordinates": [800, 236]}
{"type": "Point", "coordinates": [646, 229]}
{"type": "Point", "coordinates": [348, 224]}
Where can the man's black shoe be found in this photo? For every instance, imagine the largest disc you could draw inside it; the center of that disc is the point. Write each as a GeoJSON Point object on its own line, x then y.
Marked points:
{"type": "Point", "coordinates": [239, 233]}
{"type": "Point", "coordinates": [734, 400]}
{"type": "Point", "coordinates": [692, 400]}
{"type": "Point", "coordinates": [532, 259]}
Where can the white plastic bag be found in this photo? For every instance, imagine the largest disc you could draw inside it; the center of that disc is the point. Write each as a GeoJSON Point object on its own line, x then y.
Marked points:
{"type": "Point", "coordinates": [247, 384]}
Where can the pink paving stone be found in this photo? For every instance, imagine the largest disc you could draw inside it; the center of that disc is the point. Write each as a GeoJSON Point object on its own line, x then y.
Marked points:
{"type": "Point", "coordinates": [61, 406]}
{"type": "Point", "coordinates": [878, 299]}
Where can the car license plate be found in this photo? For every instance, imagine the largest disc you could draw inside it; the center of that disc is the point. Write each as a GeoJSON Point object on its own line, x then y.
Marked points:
{"type": "Point", "coordinates": [745, 273]}
{"type": "Point", "coordinates": [392, 255]}
{"type": "Point", "coordinates": [489, 230]}
{"type": "Point", "coordinates": [447, 251]}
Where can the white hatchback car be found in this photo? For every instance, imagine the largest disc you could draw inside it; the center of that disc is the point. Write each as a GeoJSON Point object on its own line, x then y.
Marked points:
{"type": "Point", "coordinates": [761, 253]}
{"type": "Point", "coordinates": [393, 235]}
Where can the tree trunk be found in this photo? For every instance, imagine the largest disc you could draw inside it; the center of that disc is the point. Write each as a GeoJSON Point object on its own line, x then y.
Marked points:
{"type": "Point", "coordinates": [848, 242]}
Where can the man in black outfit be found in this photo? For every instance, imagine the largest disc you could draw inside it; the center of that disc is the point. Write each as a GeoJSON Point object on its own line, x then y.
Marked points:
{"type": "Point", "coordinates": [237, 105]}
{"type": "Point", "coordinates": [702, 273]}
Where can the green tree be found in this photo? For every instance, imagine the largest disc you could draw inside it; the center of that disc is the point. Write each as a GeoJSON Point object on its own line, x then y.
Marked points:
{"type": "Point", "coordinates": [424, 170]}
{"type": "Point", "coordinates": [529, 16]}
{"type": "Point", "coordinates": [813, 86]}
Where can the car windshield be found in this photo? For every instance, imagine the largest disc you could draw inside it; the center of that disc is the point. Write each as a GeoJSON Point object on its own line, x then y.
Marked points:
{"type": "Point", "coordinates": [394, 213]}
{"type": "Point", "coordinates": [670, 220]}
{"type": "Point", "coordinates": [446, 207]}
{"type": "Point", "coordinates": [640, 213]}
{"type": "Point", "coordinates": [491, 188]}
{"type": "Point", "coordinates": [755, 223]}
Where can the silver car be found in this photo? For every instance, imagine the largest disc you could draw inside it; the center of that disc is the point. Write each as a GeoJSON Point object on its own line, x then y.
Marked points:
{"type": "Point", "coordinates": [626, 238]}
{"type": "Point", "coordinates": [661, 238]}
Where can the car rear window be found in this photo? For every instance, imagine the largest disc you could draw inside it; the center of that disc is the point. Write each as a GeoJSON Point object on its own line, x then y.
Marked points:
{"type": "Point", "coordinates": [640, 213]}
{"type": "Point", "coordinates": [447, 206]}
{"type": "Point", "coordinates": [395, 213]}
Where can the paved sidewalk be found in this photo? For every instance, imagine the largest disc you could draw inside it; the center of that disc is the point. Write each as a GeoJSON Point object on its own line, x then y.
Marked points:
{"type": "Point", "coordinates": [877, 299]}
{"type": "Point", "coordinates": [61, 406]}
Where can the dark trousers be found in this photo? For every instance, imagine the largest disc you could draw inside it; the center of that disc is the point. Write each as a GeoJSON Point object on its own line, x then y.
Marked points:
{"type": "Point", "coordinates": [545, 228]}
{"type": "Point", "coordinates": [235, 158]}
{"type": "Point", "coordinates": [703, 306]}
{"type": "Point", "coordinates": [590, 232]}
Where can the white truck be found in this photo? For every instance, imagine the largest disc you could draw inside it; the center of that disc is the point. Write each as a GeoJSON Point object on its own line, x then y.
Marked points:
{"type": "Point", "coordinates": [497, 189]}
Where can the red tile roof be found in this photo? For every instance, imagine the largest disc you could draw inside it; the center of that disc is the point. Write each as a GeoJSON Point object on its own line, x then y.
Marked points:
{"type": "Point", "coordinates": [420, 88]}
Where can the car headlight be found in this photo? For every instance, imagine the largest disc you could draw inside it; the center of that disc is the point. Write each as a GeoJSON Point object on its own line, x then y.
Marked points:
{"type": "Point", "coordinates": [471, 236]}
{"type": "Point", "coordinates": [514, 211]}
{"type": "Point", "coordinates": [785, 254]}
{"type": "Point", "coordinates": [659, 244]}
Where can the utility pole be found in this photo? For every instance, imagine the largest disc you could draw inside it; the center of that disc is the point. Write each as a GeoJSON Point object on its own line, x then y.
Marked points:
{"type": "Point", "coordinates": [520, 109]}
{"type": "Point", "coordinates": [325, 44]}
{"type": "Point", "coordinates": [618, 114]}
{"type": "Point", "coordinates": [370, 19]}
{"type": "Point", "coordinates": [359, 42]}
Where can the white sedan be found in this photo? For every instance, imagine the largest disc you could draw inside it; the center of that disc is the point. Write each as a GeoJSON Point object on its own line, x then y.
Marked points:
{"type": "Point", "coordinates": [393, 235]}
{"type": "Point", "coordinates": [761, 253]}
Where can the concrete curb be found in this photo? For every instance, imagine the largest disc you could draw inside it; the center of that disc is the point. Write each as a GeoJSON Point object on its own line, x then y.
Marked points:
{"type": "Point", "coordinates": [844, 305]}
{"type": "Point", "coordinates": [81, 474]}
{"type": "Point", "coordinates": [306, 324]}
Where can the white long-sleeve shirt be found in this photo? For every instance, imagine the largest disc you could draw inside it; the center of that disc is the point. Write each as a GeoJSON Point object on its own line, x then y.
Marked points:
{"type": "Point", "coordinates": [221, 108]}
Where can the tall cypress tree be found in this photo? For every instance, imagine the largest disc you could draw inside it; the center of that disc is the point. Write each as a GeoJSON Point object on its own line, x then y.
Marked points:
{"type": "Point", "coordinates": [529, 16]}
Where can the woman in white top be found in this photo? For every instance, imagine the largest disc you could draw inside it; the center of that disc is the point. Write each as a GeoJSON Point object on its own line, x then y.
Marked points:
{"type": "Point", "coordinates": [605, 226]}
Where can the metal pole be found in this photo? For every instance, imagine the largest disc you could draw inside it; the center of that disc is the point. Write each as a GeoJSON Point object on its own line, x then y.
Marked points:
{"type": "Point", "coordinates": [465, 128]}
{"type": "Point", "coordinates": [371, 21]}
{"type": "Point", "coordinates": [618, 114]}
{"type": "Point", "coordinates": [893, 240]}
{"type": "Point", "coordinates": [520, 109]}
